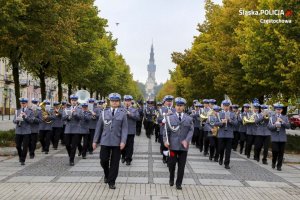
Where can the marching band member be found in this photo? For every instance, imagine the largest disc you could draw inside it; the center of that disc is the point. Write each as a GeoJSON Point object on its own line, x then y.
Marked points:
{"type": "Point", "coordinates": [177, 135]}
{"type": "Point", "coordinates": [208, 105]}
{"type": "Point", "coordinates": [140, 121]}
{"type": "Point", "coordinates": [252, 129]}
{"type": "Point", "coordinates": [242, 127]}
{"type": "Point", "coordinates": [166, 110]}
{"type": "Point", "coordinates": [62, 133]}
{"type": "Point", "coordinates": [57, 125]}
{"type": "Point", "coordinates": [34, 128]}
{"type": "Point", "coordinates": [112, 130]}
{"type": "Point", "coordinates": [72, 116]}
{"type": "Point", "coordinates": [157, 126]}
{"type": "Point", "coordinates": [132, 117]}
{"type": "Point", "coordinates": [22, 119]}
{"type": "Point", "coordinates": [263, 134]}
{"type": "Point", "coordinates": [236, 134]}
{"type": "Point", "coordinates": [45, 125]}
{"type": "Point", "coordinates": [197, 123]}
{"type": "Point", "coordinates": [278, 124]}
{"type": "Point", "coordinates": [190, 110]}
{"type": "Point", "coordinates": [225, 134]}
{"type": "Point", "coordinates": [84, 133]}
{"type": "Point", "coordinates": [95, 112]}
{"type": "Point", "coordinates": [149, 116]}
{"type": "Point", "coordinates": [214, 122]}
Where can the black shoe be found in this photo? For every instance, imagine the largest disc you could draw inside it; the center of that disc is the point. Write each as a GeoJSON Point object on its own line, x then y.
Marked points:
{"type": "Point", "coordinates": [128, 163]}
{"type": "Point", "coordinates": [201, 150]}
{"type": "Point", "coordinates": [112, 187]}
{"type": "Point", "coordinates": [178, 187]}
{"type": "Point", "coordinates": [210, 158]}
{"type": "Point", "coordinates": [220, 162]}
{"type": "Point", "coordinates": [71, 163]}
{"type": "Point", "coordinates": [43, 150]}
{"type": "Point", "coordinates": [248, 156]}
{"type": "Point", "coordinates": [123, 160]}
{"type": "Point", "coordinates": [241, 151]}
{"type": "Point", "coordinates": [22, 163]}
{"type": "Point", "coordinates": [265, 162]}
{"type": "Point", "coordinates": [83, 157]}
{"type": "Point", "coordinates": [105, 180]}
{"type": "Point", "coordinates": [257, 159]}
{"type": "Point", "coordinates": [278, 168]}
{"type": "Point", "coordinates": [273, 165]}
{"type": "Point", "coordinates": [31, 157]}
{"type": "Point", "coordinates": [79, 153]}
{"type": "Point", "coordinates": [227, 167]}
{"type": "Point", "coordinates": [46, 152]}
{"type": "Point", "coordinates": [171, 182]}
{"type": "Point", "coordinates": [216, 160]}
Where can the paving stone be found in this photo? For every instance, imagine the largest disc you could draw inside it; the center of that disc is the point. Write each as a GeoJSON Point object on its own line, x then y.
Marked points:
{"type": "Point", "coordinates": [220, 182]}
{"type": "Point", "coordinates": [267, 184]}
{"type": "Point", "coordinates": [31, 179]}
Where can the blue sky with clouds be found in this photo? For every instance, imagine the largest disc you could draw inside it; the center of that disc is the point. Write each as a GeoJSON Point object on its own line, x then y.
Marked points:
{"type": "Point", "coordinates": [171, 24]}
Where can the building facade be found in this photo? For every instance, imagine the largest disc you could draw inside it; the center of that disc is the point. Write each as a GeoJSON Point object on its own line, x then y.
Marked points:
{"type": "Point", "coordinates": [151, 68]}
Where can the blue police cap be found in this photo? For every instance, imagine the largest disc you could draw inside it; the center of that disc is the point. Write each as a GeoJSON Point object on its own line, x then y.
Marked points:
{"type": "Point", "coordinates": [264, 106]}
{"type": "Point", "coordinates": [278, 106]}
{"type": "Point", "coordinates": [47, 102]}
{"type": "Point", "coordinates": [205, 101]}
{"type": "Point", "coordinates": [198, 104]}
{"type": "Point", "coordinates": [63, 102]}
{"type": "Point", "coordinates": [168, 98]}
{"type": "Point", "coordinates": [180, 101]}
{"type": "Point", "coordinates": [247, 105]}
{"type": "Point", "coordinates": [74, 97]}
{"type": "Point", "coordinates": [216, 108]}
{"type": "Point", "coordinates": [23, 100]}
{"type": "Point", "coordinates": [33, 100]}
{"type": "Point", "coordinates": [150, 101]}
{"type": "Point", "coordinates": [56, 103]}
{"type": "Point", "coordinates": [100, 102]}
{"type": "Point", "coordinates": [128, 97]}
{"type": "Point", "coordinates": [195, 101]}
{"type": "Point", "coordinates": [159, 103]}
{"type": "Point", "coordinates": [212, 101]}
{"type": "Point", "coordinates": [257, 105]}
{"type": "Point", "coordinates": [114, 97]}
{"type": "Point", "coordinates": [235, 106]}
{"type": "Point", "coordinates": [84, 104]}
{"type": "Point", "coordinates": [91, 100]}
{"type": "Point", "coordinates": [225, 102]}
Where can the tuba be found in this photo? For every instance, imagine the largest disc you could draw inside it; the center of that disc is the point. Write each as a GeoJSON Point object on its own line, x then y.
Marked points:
{"type": "Point", "coordinates": [45, 114]}
{"type": "Point", "coordinates": [83, 96]}
{"type": "Point", "coordinates": [250, 120]}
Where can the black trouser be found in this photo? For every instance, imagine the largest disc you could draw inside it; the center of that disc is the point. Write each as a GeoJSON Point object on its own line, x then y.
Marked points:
{"type": "Point", "coordinates": [180, 158]}
{"type": "Point", "coordinates": [225, 146]}
{"type": "Point", "coordinates": [261, 141]}
{"type": "Point", "coordinates": [195, 138]}
{"type": "Point", "coordinates": [138, 127]}
{"type": "Point", "coordinates": [45, 136]}
{"type": "Point", "coordinates": [56, 134]}
{"type": "Point", "coordinates": [32, 143]}
{"type": "Point", "coordinates": [62, 135]}
{"type": "Point", "coordinates": [163, 147]}
{"type": "Point", "coordinates": [71, 141]}
{"type": "Point", "coordinates": [22, 143]}
{"type": "Point", "coordinates": [213, 148]}
{"type": "Point", "coordinates": [277, 153]}
{"type": "Point", "coordinates": [206, 142]}
{"type": "Point", "coordinates": [201, 139]}
{"type": "Point", "coordinates": [235, 141]}
{"type": "Point", "coordinates": [157, 132]}
{"type": "Point", "coordinates": [243, 138]}
{"type": "Point", "coordinates": [149, 128]}
{"type": "Point", "coordinates": [109, 160]}
{"type": "Point", "coordinates": [83, 148]}
{"type": "Point", "coordinates": [127, 152]}
{"type": "Point", "coordinates": [249, 143]}
{"type": "Point", "coordinates": [90, 140]}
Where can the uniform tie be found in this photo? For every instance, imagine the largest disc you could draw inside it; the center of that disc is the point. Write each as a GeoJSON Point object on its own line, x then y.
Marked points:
{"type": "Point", "coordinates": [179, 116]}
{"type": "Point", "coordinates": [23, 109]}
{"type": "Point", "coordinates": [113, 112]}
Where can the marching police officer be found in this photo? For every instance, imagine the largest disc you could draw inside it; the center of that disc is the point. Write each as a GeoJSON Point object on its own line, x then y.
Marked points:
{"type": "Point", "coordinates": [278, 125]}
{"type": "Point", "coordinates": [208, 105]}
{"type": "Point", "coordinates": [22, 119]}
{"type": "Point", "coordinates": [157, 125]}
{"type": "Point", "coordinates": [34, 128]}
{"type": "Point", "coordinates": [140, 121]}
{"type": "Point", "coordinates": [225, 134]}
{"type": "Point", "coordinates": [149, 117]}
{"type": "Point", "coordinates": [236, 134]}
{"type": "Point", "coordinates": [57, 125]}
{"type": "Point", "coordinates": [197, 137]}
{"type": "Point", "coordinates": [178, 134]}
{"type": "Point", "coordinates": [95, 112]}
{"type": "Point", "coordinates": [62, 133]}
{"type": "Point", "coordinates": [72, 116]}
{"type": "Point", "coordinates": [132, 117]}
{"type": "Point", "coordinates": [263, 134]}
{"type": "Point", "coordinates": [242, 127]}
{"type": "Point", "coordinates": [112, 130]}
{"type": "Point", "coordinates": [45, 126]}
{"type": "Point", "coordinates": [84, 132]}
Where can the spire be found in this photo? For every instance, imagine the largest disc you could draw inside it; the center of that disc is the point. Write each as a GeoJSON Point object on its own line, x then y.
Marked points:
{"type": "Point", "coordinates": [151, 60]}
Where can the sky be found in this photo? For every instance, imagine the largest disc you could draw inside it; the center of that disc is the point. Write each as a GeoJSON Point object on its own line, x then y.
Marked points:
{"type": "Point", "coordinates": [170, 24]}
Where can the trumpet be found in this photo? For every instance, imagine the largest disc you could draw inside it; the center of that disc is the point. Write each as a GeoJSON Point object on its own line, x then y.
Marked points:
{"type": "Point", "coordinates": [227, 117]}
{"type": "Point", "coordinates": [20, 117]}
{"type": "Point", "coordinates": [278, 124]}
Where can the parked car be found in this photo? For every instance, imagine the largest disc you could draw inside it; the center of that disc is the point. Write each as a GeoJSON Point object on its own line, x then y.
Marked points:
{"type": "Point", "coordinates": [295, 121]}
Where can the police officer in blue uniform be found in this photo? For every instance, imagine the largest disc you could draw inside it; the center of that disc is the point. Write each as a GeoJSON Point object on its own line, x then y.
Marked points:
{"type": "Point", "coordinates": [57, 125]}
{"type": "Point", "coordinates": [23, 118]}
{"type": "Point", "coordinates": [34, 127]}
{"type": "Point", "coordinates": [112, 130]}
{"type": "Point", "coordinates": [278, 124]}
{"type": "Point", "coordinates": [149, 118]}
{"type": "Point", "coordinates": [140, 121]}
{"type": "Point", "coordinates": [95, 112]}
{"type": "Point", "coordinates": [84, 132]}
{"type": "Point", "coordinates": [45, 126]}
{"type": "Point", "coordinates": [225, 133]}
{"type": "Point", "coordinates": [72, 116]}
{"type": "Point", "coordinates": [62, 133]}
{"type": "Point", "coordinates": [132, 117]}
{"type": "Point", "coordinates": [157, 125]}
{"type": "Point", "coordinates": [242, 127]}
{"type": "Point", "coordinates": [208, 105]}
{"type": "Point", "coordinates": [197, 136]}
{"type": "Point", "coordinates": [178, 134]}
{"type": "Point", "coordinates": [236, 134]}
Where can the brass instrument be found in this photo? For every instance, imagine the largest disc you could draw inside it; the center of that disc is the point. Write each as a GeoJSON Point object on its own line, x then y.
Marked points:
{"type": "Point", "coordinates": [204, 115]}
{"type": "Point", "coordinates": [249, 120]}
{"type": "Point", "coordinates": [56, 111]}
{"type": "Point", "coordinates": [45, 114]}
{"type": "Point", "coordinates": [214, 129]}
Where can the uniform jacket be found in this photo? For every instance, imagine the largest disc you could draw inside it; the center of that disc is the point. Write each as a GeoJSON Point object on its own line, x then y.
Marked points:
{"type": "Point", "coordinates": [23, 127]}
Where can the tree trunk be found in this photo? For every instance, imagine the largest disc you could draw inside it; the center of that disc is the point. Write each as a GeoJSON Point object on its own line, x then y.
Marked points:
{"type": "Point", "coordinates": [84, 87]}
{"type": "Point", "coordinates": [15, 57]}
{"type": "Point", "coordinates": [69, 91]}
{"type": "Point", "coordinates": [59, 85]}
{"type": "Point", "coordinates": [97, 94]}
{"type": "Point", "coordinates": [261, 99]}
{"type": "Point", "coordinates": [91, 92]}
{"type": "Point", "coordinates": [42, 82]}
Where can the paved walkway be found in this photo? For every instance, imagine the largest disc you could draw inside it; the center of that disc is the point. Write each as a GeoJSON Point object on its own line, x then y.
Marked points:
{"type": "Point", "coordinates": [50, 177]}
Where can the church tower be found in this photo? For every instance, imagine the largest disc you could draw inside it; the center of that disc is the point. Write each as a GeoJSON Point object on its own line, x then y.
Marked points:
{"type": "Point", "coordinates": [151, 68]}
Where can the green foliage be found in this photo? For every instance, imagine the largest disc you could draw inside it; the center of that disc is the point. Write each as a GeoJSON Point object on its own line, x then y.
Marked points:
{"type": "Point", "coordinates": [7, 137]}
